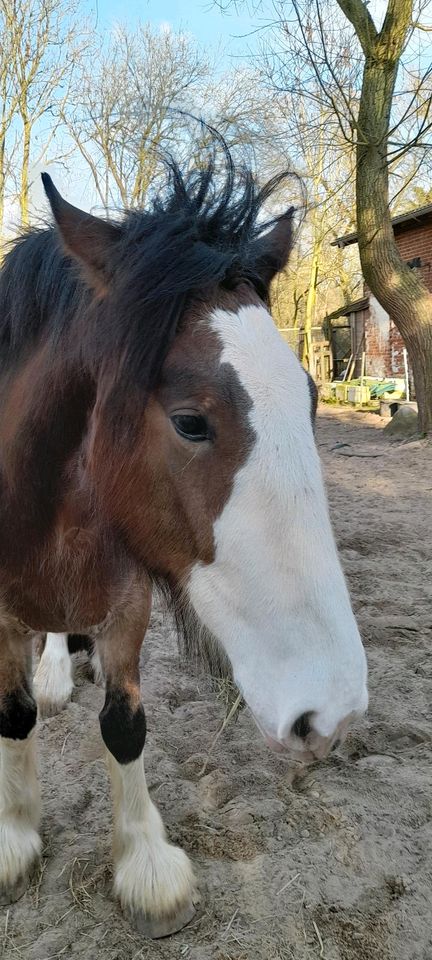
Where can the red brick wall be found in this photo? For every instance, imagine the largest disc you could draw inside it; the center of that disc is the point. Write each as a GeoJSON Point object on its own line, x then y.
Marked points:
{"type": "Point", "coordinates": [418, 243]}
{"type": "Point", "coordinates": [385, 354]}
{"type": "Point", "coordinates": [396, 363]}
{"type": "Point", "coordinates": [377, 351]}
{"type": "Point", "coordinates": [377, 340]}
{"type": "Point", "coordinates": [384, 348]}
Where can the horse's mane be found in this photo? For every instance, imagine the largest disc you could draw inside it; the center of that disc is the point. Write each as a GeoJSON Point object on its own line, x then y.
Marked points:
{"type": "Point", "coordinates": [196, 234]}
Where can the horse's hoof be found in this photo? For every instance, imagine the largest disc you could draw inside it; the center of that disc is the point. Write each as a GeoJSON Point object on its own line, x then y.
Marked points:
{"type": "Point", "coordinates": [11, 894]}
{"type": "Point", "coordinates": [20, 849]}
{"type": "Point", "coordinates": [154, 928]}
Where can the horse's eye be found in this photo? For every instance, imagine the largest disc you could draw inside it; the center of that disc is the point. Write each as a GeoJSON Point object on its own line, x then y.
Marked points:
{"type": "Point", "coordinates": [191, 426]}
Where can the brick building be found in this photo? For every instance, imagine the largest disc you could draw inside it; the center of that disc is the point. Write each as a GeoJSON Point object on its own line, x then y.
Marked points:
{"type": "Point", "coordinates": [368, 327]}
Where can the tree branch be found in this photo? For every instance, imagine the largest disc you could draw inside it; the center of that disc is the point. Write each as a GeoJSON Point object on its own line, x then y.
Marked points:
{"type": "Point", "coordinates": [358, 15]}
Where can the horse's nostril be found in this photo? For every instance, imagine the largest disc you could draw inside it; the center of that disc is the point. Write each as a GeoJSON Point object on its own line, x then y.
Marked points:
{"type": "Point", "coordinates": [302, 726]}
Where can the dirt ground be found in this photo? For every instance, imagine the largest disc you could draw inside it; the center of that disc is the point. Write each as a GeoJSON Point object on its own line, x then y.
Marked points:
{"type": "Point", "coordinates": [335, 864]}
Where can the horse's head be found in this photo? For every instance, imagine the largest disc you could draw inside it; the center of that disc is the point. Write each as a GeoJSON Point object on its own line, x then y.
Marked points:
{"type": "Point", "coordinates": [215, 481]}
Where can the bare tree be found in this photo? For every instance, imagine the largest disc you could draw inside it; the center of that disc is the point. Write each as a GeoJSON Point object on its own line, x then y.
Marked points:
{"type": "Point", "coordinates": [8, 105]}
{"type": "Point", "coordinates": [325, 163]}
{"type": "Point", "coordinates": [330, 52]}
{"type": "Point", "coordinates": [43, 46]}
{"type": "Point", "coordinates": [127, 103]}
{"type": "Point", "coordinates": [400, 291]}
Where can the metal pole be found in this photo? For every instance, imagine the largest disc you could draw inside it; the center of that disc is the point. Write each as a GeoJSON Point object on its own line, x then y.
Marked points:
{"type": "Point", "coordinates": [407, 389]}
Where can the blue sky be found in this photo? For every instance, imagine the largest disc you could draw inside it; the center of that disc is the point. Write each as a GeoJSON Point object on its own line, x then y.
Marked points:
{"type": "Point", "coordinates": [229, 35]}
{"type": "Point", "coordinates": [202, 18]}
{"type": "Point", "coordinates": [232, 36]}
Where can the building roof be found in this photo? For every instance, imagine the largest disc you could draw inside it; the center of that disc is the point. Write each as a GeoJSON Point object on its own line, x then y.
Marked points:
{"type": "Point", "coordinates": [405, 221]}
{"type": "Point", "coordinates": [354, 307]}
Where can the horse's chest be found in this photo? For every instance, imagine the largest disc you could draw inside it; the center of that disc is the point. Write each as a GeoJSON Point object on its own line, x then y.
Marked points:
{"type": "Point", "coordinates": [67, 586]}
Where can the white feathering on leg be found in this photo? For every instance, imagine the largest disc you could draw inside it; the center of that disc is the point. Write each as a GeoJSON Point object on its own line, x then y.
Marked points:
{"type": "Point", "coordinates": [20, 843]}
{"type": "Point", "coordinates": [53, 683]}
{"type": "Point", "coordinates": [151, 875]}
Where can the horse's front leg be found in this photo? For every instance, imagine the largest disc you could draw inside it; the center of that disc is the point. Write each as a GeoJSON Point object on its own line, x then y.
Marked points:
{"type": "Point", "coordinates": [53, 681]}
{"type": "Point", "coordinates": [152, 878]}
{"type": "Point", "coordinates": [19, 790]}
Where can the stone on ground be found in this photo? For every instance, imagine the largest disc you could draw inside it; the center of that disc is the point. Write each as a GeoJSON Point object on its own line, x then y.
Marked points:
{"type": "Point", "coordinates": [403, 424]}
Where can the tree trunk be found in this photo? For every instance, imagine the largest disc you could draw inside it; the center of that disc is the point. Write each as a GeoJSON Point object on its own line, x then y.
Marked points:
{"type": "Point", "coordinates": [399, 290]}
{"type": "Point", "coordinates": [308, 354]}
{"type": "Point", "coordinates": [419, 346]}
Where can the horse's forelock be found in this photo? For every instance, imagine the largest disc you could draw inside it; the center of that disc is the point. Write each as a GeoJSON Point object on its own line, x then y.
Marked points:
{"type": "Point", "coordinates": [199, 236]}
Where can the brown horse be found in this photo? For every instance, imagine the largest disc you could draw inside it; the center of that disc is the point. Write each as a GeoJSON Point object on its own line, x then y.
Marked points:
{"type": "Point", "coordinates": [154, 427]}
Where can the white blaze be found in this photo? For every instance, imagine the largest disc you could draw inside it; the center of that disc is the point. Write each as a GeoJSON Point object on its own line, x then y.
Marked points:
{"type": "Point", "coordinates": [275, 595]}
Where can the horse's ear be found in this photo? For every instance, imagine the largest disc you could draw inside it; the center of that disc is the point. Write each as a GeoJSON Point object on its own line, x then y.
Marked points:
{"type": "Point", "coordinates": [88, 239]}
{"type": "Point", "coordinates": [270, 252]}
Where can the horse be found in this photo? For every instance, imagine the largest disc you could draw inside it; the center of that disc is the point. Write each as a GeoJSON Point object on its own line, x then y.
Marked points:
{"type": "Point", "coordinates": [156, 430]}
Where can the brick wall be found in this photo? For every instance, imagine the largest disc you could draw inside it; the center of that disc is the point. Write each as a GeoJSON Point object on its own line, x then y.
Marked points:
{"type": "Point", "coordinates": [377, 340]}
{"type": "Point", "coordinates": [417, 243]}
{"type": "Point", "coordinates": [384, 344]}
{"type": "Point", "coordinates": [384, 348]}
{"type": "Point", "coordinates": [396, 361]}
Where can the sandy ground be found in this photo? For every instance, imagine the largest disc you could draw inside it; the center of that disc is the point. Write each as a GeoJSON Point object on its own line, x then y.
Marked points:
{"type": "Point", "coordinates": [336, 864]}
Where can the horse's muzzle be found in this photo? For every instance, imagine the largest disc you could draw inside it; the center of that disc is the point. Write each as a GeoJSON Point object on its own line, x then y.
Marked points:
{"type": "Point", "coordinates": [305, 744]}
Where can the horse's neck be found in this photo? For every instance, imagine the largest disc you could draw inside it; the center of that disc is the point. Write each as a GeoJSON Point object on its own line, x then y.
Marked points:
{"type": "Point", "coordinates": [58, 559]}
{"type": "Point", "coordinates": [43, 423]}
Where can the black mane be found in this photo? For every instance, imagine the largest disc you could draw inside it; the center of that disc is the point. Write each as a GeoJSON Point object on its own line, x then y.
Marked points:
{"type": "Point", "coordinates": [198, 233]}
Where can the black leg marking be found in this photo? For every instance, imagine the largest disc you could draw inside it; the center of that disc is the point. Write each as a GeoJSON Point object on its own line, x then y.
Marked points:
{"type": "Point", "coordinates": [123, 729]}
{"type": "Point", "coordinates": [79, 641]}
{"type": "Point", "coordinates": [18, 712]}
